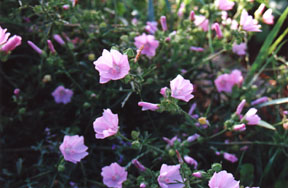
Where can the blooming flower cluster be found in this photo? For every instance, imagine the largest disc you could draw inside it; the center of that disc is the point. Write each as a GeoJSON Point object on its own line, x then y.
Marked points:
{"type": "Point", "coordinates": [8, 44]}
{"type": "Point", "coordinates": [225, 82]}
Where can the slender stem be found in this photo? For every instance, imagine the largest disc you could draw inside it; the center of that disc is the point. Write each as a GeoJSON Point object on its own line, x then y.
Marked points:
{"type": "Point", "coordinates": [250, 143]}
{"type": "Point", "coordinates": [84, 173]}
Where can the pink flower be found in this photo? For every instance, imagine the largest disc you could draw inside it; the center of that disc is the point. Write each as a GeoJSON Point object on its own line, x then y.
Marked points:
{"type": "Point", "coordinates": [193, 137]}
{"type": "Point", "coordinates": [260, 10]}
{"type": "Point", "coordinates": [196, 49]}
{"type": "Point", "coordinates": [35, 47]}
{"type": "Point", "coordinates": [171, 141]}
{"type": "Point", "coordinates": [163, 91]}
{"type": "Point", "coordinates": [11, 44]}
{"type": "Point", "coordinates": [114, 175]}
{"type": "Point", "coordinates": [239, 49]}
{"type": "Point", "coordinates": [197, 174]}
{"type": "Point", "coordinates": [151, 27]}
{"type": "Point", "coordinates": [163, 23]}
{"type": "Point", "coordinates": [73, 148]}
{"type": "Point", "coordinates": [62, 95]}
{"type": "Point", "coordinates": [252, 117]}
{"type": "Point", "coordinates": [248, 23]}
{"type": "Point", "coordinates": [217, 28]}
{"type": "Point", "coordinates": [106, 125]}
{"type": "Point", "coordinates": [138, 165]}
{"type": "Point", "coordinates": [142, 185]}
{"type": "Point", "coordinates": [223, 179]}
{"type": "Point", "coordinates": [260, 100]}
{"type": "Point", "coordinates": [112, 66]}
{"type": "Point", "coordinates": [51, 46]}
{"type": "Point", "coordinates": [224, 4]}
{"type": "Point", "coordinates": [148, 106]}
{"type": "Point", "coordinates": [59, 39]}
{"type": "Point", "coordinates": [225, 82]}
{"type": "Point", "coordinates": [240, 107]}
{"type": "Point", "coordinates": [230, 157]}
{"type": "Point", "coordinates": [16, 91]}
{"type": "Point", "coordinates": [268, 18]}
{"type": "Point", "coordinates": [181, 10]}
{"type": "Point", "coordinates": [170, 176]}
{"type": "Point", "coordinates": [240, 127]}
{"type": "Point", "coordinates": [149, 42]}
{"type": "Point", "coordinates": [201, 21]}
{"type": "Point", "coordinates": [181, 88]}
{"type": "Point", "coordinates": [191, 161]}
{"type": "Point", "coordinates": [3, 36]}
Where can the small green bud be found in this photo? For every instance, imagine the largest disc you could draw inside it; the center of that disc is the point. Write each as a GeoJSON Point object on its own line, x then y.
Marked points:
{"type": "Point", "coordinates": [129, 52]}
{"type": "Point", "coordinates": [217, 167]}
{"type": "Point", "coordinates": [86, 105]}
{"type": "Point", "coordinates": [171, 152]}
{"type": "Point", "coordinates": [136, 144]}
{"type": "Point", "coordinates": [22, 110]}
{"type": "Point", "coordinates": [135, 135]}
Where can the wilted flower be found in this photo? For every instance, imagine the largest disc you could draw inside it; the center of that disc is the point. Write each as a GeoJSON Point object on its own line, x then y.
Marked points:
{"type": "Point", "coordinates": [181, 10]}
{"type": "Point", "coordinates": [51, 46]}
{"type": "Point", "coordinates": [201, 21]}
{"type": "Point", "coordinates": [114, 175]}
{"type": "Point", "coordinates": [35, 47]}
{"type": "Point", "coordinates": [11, 44]}
{"type": "Point", "coordinates": [217, 28]}
{"type": "Point", "coordinates": [223, 179]}
{"type": "Point", "coordinates": [240, 127]}
{"type": "Point", "coordinates": [193, 137]}
{"type": "Point", "coordinates": [192, 15]}
{"type": "Point", "coordinates": [171, 141]}
{"type": "Point", "coordinates": [73, 148]}
{"type": "Point", "coordinates": [62, 95]}
{"type": "Point", "coordinates": [230, 157]}
{"type": "Point", "coordinates": [163, 23]}
{"type": "Point", "coordinates": [148, 106]}
{"type": "Point", "coordinates": [260, 100]}
{"type": "Point", "coordinates": [151, 27]}
{"type": "Point", "coordinates": [248, 23]}
{"type": "Point", "coordinates": [149, 42]}
{"type": "Point", "coordinates": [138, 165]}
{"type": "Point", "coordinates": [106, 125]}
{"type": "Point", "coordinates": [196, 49]}
{"type": "Point", "coordinates": [59, 39]}
{"type": "Point", "coordinates": [252, 117]}
{"type": "Point", "coordinates": [224, 4]}
{"type": "Point", "coordinates": [268, 18]}
{"type": "Point", "coordinates": [112, 66]}
{"type": "Point", "coordinates": [191, 161]}
{"type": "Point", "coordinates": [181, 88]}
{"type": "Point", "coordinates": [240, 107]}
{"type": "Point", "coordinates": [170, 176]}
{"type": "Point", "coordinates": [239, 49]}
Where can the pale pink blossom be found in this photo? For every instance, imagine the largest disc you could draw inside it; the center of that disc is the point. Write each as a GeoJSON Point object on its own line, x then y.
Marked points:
{"type": "Point", "coordinates": [34, 47]}
{"type": "Point", "coordinates": [191, 161]}
{"type": "Point", "coordinates": [193, 137]}
{"type": "Point", "coordinates": [251, 117]}
{"type": "Point", "coordinates": [114, 175]}
{"type": "Point", "coordinates": [217, 29]}
{"type": "Point", "coordinates": [106, 125]}
{"type": "Point", "coordinates": [224, 15]}
{"type": "Point", "coordinates": [3, 36]}
{"type": "Point", "coordinates": [240, 107]}
{"type": "Point", "coordinates": [224, 4]}
{"type": "Point", "coordinates": [230, 157]}
{"type": "Point", "coordinates": [112, 66]}
{"type": "Point", "coordinates": [148, 106]}
{"type": "Point", "coordinates": [134, 22]}
{"type": "Point", "coordinates": [73, 148]}
{"type": "Point", "coordinates": [223, 179]}
{"type": "Point", "coordinates": [234, 24]}
{"type": "Point", "coordinates": [239, 49]}
{"type": "Point", "coordinates": [267, 17]}
{"type": "Point", "coordinates": [225, 82]}
{"type": "Point", "coordinates": [163, 23]}
{"type": "Point", "coordinates": [202, 22]}
{"type": "Point", "coordinates": [197, 174]}
{"type": "Point", "coordinates": [151, 27]}
{"type": "Point", "coordinates": [149, 42]}
{"type": "Point", "coordinates": [196, 49]}
{"type": "Point", "coordinates": [181, 88]}
{"type": "Point", "coordinates": [16, 91]}
{"type": "Point", "coordinates": [142, 185]}
{"type": "Point", "coordinates": [170, 176]}
{"type": "Point", "coordinates": [248, 23]}
{"type": "Point", "coordinates": [181, 10]}
{"type": "Point", "coordinates": [62, 95]}
{"type": "Point", "coordinates": [11, 44]}
{"type": "Point", "coordinates": [239, 127]}
{"type": "Point", "coordinates": [260, 10]}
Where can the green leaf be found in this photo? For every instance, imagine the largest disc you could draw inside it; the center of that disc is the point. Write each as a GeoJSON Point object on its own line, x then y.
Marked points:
{"type": "Point", "coordinates": [247, 174]}
{"type": "Point", "coordinates": [274, 102]}
{"type": "Point", "coordinates": [263, 53]}
{"type": "Point", "coordinates": [151, 11]}
{"type": "Point", "coordinates": [266, 125]}
{"type": "Point", "coordinates": [277, 42]}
